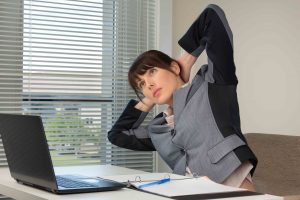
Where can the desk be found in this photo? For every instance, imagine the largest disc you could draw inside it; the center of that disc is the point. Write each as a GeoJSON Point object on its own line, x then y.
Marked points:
{"type": "Point", "coordinates": [9, 187]}
{"type": "Point", "coordinates": [292, 197]}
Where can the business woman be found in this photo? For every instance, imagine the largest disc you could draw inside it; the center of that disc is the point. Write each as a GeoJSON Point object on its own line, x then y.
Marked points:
{"type": "Point", "coordinates": [199, 134]}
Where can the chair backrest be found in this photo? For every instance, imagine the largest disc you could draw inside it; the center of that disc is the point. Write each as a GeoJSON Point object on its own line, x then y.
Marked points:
{"type": "Point", "coordinates": [278, 169]}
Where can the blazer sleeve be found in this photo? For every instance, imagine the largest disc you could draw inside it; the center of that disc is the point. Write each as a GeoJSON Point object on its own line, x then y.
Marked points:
{"type": "Point", "coordinates": [210, 31]}
{"type": "Point", "coordinates": [128, 133]}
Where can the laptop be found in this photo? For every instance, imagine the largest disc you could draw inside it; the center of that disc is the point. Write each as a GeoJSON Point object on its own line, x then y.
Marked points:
{"type": "Point", "coordinates": [29, 160]}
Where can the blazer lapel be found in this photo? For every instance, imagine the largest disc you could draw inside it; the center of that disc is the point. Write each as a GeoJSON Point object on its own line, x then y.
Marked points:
{"type": "Point", "coordinates": [183, 95]}
{"type": "Point", "coordinates": [179, 101]}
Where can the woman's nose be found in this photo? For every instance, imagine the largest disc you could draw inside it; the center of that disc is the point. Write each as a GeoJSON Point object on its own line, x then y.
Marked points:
{"type": "Point", "coordinates": [150, 84]}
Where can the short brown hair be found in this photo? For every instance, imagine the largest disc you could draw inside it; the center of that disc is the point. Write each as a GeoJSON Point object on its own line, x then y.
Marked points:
{"type": "Point", "coordinates": [146, 61]}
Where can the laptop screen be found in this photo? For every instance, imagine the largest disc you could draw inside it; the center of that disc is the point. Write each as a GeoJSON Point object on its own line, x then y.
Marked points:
{"type": "Point", "coordinates": [27, 150]}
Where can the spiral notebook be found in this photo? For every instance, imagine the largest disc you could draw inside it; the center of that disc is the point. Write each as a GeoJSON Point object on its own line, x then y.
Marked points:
{"type": "Point", "coordinates": [177, 186]}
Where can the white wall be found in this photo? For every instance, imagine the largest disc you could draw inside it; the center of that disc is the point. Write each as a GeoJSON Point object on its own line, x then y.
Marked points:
{"type": "Point", "coordinates": [266, 50]}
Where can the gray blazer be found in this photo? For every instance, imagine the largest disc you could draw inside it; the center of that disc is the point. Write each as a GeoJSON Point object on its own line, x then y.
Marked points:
{"type": "Point", "coordinates": [196, 141]}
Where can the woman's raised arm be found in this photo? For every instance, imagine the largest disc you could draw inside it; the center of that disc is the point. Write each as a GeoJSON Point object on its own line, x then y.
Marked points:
{"type": "Point", "coordinates": [211, 31]}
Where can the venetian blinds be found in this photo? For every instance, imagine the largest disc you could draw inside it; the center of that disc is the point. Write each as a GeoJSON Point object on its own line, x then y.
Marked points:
{"type": "Point", "coordinates": [67, 61]}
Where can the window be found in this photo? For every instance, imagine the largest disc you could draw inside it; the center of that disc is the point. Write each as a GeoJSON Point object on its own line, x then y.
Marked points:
{"type": "Point", "coordinates": [67, 61]}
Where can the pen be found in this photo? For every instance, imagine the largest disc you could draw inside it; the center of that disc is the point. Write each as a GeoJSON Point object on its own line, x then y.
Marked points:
{"type": "Point", "coordinates": [165, 180]}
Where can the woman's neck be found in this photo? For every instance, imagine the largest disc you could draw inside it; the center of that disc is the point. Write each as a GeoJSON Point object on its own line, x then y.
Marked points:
{"type": "Point", "coordinates": [180, 84]}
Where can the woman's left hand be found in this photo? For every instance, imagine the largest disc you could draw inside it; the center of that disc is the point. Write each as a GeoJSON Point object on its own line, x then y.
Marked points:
{"type": "Point", "coordinates": [186, 62]}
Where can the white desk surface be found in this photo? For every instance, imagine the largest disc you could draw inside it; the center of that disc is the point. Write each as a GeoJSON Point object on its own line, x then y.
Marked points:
{"type": "Point", "coordinates": [9, 187]}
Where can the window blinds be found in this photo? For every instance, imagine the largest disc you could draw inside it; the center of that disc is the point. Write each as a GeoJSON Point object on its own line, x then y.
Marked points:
{"type": "Point", "coordinates": [67, 61]}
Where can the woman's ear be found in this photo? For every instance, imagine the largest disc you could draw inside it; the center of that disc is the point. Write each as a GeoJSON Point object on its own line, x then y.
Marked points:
{"type": "Point", "coordinates": [175, 67]}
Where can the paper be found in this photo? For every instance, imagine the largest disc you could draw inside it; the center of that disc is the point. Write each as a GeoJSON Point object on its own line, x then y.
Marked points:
{"type": "Point", "coordinates": [178, 186]}
{"type": "Point", "coordinates": [147, 177]}
{"type": "Point", "coordinates": [188, 187]}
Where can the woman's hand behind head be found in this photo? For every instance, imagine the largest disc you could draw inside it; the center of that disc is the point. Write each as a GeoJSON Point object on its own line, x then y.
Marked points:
{"type": "Point", "coordinates": [186, 62]}
{"type": "Point", "coordinates": [145, 105]}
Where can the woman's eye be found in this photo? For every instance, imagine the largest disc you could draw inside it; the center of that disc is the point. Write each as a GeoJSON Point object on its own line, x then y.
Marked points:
{"type": "Point", "coordinates": [152, 71]}
{"type": "Point", "coordinates": [141, 84]}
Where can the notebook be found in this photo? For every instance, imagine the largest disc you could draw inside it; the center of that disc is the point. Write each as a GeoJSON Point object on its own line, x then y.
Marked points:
{"type": "Point", "coordinates": [180, 187]}
{"type": "Point", "coordinates": [30, 163]}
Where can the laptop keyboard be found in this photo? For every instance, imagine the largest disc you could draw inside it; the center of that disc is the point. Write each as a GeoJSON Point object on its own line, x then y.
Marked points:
{"type": "Point", "coordinates": [69, 183]}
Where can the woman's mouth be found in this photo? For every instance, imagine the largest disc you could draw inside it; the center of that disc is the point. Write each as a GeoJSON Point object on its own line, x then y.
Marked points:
{"type": "Point", "coordinates": [156, 93]}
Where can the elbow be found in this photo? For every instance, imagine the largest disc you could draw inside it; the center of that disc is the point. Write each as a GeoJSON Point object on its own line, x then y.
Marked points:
{"type": "Point", "coordinates": [117, 138]}
{"type": "Point", "coordinates": [111, 136]}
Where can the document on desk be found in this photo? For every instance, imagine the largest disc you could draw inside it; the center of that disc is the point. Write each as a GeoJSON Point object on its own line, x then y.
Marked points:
{"type": "Point", "coordinates": [172, 185]}
{"type": "Point", "coordinates": [188, 187]}
{"type": "Point", "coordinates": [146, 177]}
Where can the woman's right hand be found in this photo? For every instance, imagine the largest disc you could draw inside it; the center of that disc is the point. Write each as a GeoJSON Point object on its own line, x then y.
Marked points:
{"type": "Point", "coordinates": [186, 62]}
{"type": "Point", "coordinates": [145, 105]}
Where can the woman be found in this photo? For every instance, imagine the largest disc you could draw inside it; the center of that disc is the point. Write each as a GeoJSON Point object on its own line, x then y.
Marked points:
{"type": "Point", "coordinates": [199, 134]}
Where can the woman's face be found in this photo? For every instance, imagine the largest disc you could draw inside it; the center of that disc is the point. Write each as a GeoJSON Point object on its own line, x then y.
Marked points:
{"type": "Point", "coordinates": [158, 84]}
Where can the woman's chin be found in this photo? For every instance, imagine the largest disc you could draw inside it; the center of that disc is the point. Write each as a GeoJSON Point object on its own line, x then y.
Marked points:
{"type": "Point", "coordinates": [161, 101]}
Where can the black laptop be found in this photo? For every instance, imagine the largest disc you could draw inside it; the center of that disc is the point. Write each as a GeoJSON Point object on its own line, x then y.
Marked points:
{"type": "Point", "coordinates": [29, 160]}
